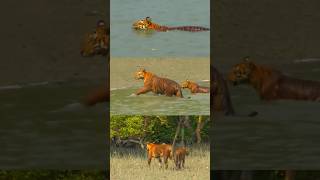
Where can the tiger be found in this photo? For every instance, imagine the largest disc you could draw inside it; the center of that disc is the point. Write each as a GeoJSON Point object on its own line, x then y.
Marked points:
{"type": "Point", "coordinates": [147, 24]}
{"type": "Point", "coordinates": [271, 84]}
{"type": "Point", "coordinates": [220, 95]}
{"type": "Point", "coordinates": [194, 87]}
{"type": "Point", "coordinates": [97, 42]}
{"type": "Point", "coordinates": [220, 99]}
{"type": "Point", "coordinates": [179, 158]}
{"type": "Point", "coordinates": [157, 85]}
{"type": "Point", "coordinates": [98, 95]}
{"type": "Point", "coordinates": [159, 151]}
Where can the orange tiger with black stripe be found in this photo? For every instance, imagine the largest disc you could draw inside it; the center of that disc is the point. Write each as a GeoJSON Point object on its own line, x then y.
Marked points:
{"type": "Point", "coordinates": [147, 24]}
{"type": "Point", "coordinates": [97, 43]}
{"type": "Point", "coordinates": [159, 151]}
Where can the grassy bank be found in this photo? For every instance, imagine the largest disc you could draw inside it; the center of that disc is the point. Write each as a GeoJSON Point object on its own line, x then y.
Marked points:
{"type": "Point", "coordinates": [132, 164]}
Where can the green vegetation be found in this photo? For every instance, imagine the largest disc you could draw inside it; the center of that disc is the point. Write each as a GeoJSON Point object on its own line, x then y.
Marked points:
{"type": "Point", "coordinates": [158, 129]}
{"type": "Point", "coordinates": [131, 163]}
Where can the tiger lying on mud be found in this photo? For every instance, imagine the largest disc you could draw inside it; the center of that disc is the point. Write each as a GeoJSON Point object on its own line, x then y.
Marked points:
{"type": "Point", "coordinates": [97, 43]}
{"type": "Point", "coordinates": [220, 96]}
{"type": "Point", "coordinates": [157, 85]}
{"type": "Point", "coordinates": [194, 87]}
{"type": "Point", "coordinates": [147, 24]}
{"type": "Point", "coordinates": [272, 84]}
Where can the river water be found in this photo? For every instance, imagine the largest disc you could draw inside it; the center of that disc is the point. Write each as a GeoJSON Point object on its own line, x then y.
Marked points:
{"type": "Point", "coordinates": [127, 43]}
{"type": "Point", "coordinates": [45, 125]}
{"type": "Point", "coordinates": [284, 133]}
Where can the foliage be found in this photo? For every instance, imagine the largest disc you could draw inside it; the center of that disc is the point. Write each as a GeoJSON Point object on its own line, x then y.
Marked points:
{"type": "Point", "coordinates": [160, 129]}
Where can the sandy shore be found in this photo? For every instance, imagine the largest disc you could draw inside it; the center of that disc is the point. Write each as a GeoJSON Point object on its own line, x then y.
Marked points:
{"type": "Point", "coordinates": [123, 69]}
{"type": "Point", "coordinates": [43, 39]}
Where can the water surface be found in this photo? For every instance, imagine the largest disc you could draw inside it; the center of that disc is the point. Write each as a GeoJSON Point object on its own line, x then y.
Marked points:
{"type": "Point", "coordinates": [46, 125]}
{"type": "Point", "coordinates": [150, 104]}
{"type": "Point", "coordinates": [128, 43]}
{"type": "Point", "coordinates": [285, 132]}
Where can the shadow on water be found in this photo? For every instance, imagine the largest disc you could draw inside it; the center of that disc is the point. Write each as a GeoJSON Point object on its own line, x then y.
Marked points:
{"type": "Point", "coordinates": [150, 104]}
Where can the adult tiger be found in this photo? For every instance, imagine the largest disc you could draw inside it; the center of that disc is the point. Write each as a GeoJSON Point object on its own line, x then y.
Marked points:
{"type": "Point", "coordinates": [194, 87]}
{"type": "Point", "coordinates": [220, 96]}
{"type": "Point", "coordinates": [157, 85]}
{"type": "Point", "coordinates": [159, 151]}
{"type": "Point", "coordinates": [272, 84]}
{"type": "Point", "coordinates": [147, 24]}
{"type": "Point", "coordinates": [180, 155]}
{"type": "Point", "coordinates": [97, 42]}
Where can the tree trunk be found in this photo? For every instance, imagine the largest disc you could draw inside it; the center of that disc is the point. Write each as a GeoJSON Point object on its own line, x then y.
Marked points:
{"type": "Point", "coordinates": [176, 136]}
{"type": "Point", "coordinates": [200, 124]}
{"type": "Point", "coordinates": [182, 132]}
{"type": "Point", "coordinates": [146, 120]}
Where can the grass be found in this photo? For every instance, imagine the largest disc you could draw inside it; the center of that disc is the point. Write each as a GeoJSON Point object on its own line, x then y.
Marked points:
{"type": "Point", "coordinates": [131, 164]}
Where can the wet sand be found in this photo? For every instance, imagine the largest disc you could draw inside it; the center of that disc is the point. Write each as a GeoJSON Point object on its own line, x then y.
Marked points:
{"type": "Point", "coordinates": [178, 69]}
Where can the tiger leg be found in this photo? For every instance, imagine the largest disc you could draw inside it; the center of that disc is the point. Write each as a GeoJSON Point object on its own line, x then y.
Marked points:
{"type": "Point", "coordinates": [177, 162]}
{"type": "Point", "coordinates": [143, 90]}
{"type": "Point", "coordinates": [160, 162]}
{"type": "Point", "coordinates": [183, 163]}
{"type": "Point", "coordinates": [179, 93]}
{"type": "Point", "coordinates": [149, 160]}
{"type": "Point", "coordinates": [165, 159]}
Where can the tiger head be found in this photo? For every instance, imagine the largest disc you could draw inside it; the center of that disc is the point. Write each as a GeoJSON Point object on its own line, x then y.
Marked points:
{"type": "Point", "coordinates": [149, 146]}
{"type": "Point", "coordinates": [97, 42]}
{"type": "Point", "coordinates": [186, 84]}
{"type": "Point", "coordinates": [240, 73]}
{"type": "Point", "coordinates": [140, 74]}
{"type": "Point", "coordinates": [142, 24]}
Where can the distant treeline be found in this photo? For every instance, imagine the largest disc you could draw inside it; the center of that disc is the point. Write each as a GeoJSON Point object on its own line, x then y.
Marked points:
{"type": "Point", "coordinates": [159, 129]}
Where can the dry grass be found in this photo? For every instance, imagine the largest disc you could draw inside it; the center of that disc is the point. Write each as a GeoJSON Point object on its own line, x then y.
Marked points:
{"type": "Point", "coordinates": [131, 164]}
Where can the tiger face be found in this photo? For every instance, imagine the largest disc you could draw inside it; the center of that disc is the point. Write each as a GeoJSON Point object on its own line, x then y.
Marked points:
{"type": "Point", "coordinates": [142, 24]}
{"type": "Point", "coordinates": [240, 73]}
{"type": "Point", "coordinates": [185, 84]}
{"type": "Point", "coordinates": [97, 42]}
{"type": "Point", "coordinates": [140, 74]}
